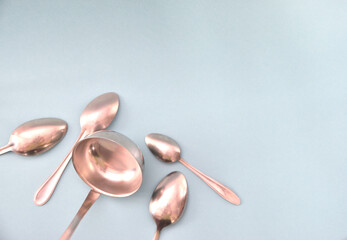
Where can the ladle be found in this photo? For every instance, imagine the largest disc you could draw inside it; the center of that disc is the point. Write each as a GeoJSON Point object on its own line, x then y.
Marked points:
{"type": "Point", "coordinates": [111, 164]}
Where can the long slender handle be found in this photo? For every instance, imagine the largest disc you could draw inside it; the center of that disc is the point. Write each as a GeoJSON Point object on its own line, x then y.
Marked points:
{"type": "Point", "coordinates": [222, 190]}
{"type": "Point", "coordinates": [156, 235]}
{"type": "Point", "coordinates": [90, 200]}
{"type": "Point", "coordinates": [6, 148]}
{"type": "Point", "coordinates": [44, 193]}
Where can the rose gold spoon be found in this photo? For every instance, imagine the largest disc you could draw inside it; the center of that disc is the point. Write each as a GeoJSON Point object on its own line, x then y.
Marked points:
{"type": "Point", "coordinates": [168, 150]}
{"type": "Point", "coordinates": [98, 115]}
{"type": "Point", "coordinates": [36, 136]}
{"type": "Point", "coordinates": [168, 201]}
{"type": "Point", "coordinates": [111, 164]}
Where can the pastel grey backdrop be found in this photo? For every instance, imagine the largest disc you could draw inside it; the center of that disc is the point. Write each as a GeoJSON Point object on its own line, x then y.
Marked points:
{"type": "Point", "coordinates": [255, 93]}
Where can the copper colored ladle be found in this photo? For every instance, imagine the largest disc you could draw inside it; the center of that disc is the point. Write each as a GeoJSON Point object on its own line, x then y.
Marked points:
{"type": "Point", "coordinates": [36, 136]}
{"type": "Point", "coordinates": [98, 115]}
{"type": "Point", "coordinates": [111, 164]}
{"type": "Point", "coordinates": [168, 150]}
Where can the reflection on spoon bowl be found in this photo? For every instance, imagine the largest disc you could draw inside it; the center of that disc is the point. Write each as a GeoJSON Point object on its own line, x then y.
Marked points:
{"type": "Point", "coordinates": [168, 201]}
{"type": "Point", "coordinates": [36, 136]}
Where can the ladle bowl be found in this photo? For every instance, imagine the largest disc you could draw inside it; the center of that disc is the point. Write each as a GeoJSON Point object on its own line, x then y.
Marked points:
{"type": "Point", "coordinates": [111, 164]}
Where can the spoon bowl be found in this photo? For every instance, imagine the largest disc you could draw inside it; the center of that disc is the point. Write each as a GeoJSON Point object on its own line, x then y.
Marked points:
{"type": "Point", "coordinates": [163, 147]}
{"type": "Point", "coordinates": [168, 201]}
{"type": "Point", "coordinates": [111, 164]}
{"type": "Point", "coordinates": [36, 136]}
{"type": "Point", "coordinates": [97, 115]}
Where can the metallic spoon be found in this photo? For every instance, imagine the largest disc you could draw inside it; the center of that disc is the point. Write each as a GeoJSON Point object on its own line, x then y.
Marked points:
{"type": "Point", "coordinates": [111, 164]}
{"type": "Point", "coordinates": [98, 115]}
{"type": "Point", "coordinates": [168, 201]}
{"type": "Point", "coordinates": [36, 136]}
{"type": "Point", "coordinates": [168, 150]}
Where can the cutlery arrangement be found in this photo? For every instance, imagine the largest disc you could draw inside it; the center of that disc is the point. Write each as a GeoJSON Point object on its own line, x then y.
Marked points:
{"type": "Point", "coordinates": [110, 163]}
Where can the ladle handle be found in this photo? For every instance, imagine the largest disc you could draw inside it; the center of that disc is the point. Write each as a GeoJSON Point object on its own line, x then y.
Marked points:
{"type": "Point", "coordinates": [222, 190]}
{"type": "Point", "coordinates": [6, 148]}
{"type": "Point", "coordinates": [44, 193]}
{"type": "Point", "coordinates": [156, 235]}
{"type": "Point", "coordinates": [88, 202]}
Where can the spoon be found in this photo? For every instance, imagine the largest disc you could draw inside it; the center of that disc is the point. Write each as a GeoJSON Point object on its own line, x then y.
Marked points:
{"type": "Point", "coordinates": [98, 115]}
{"type": "Point", "coordinates": [168, 150]}
{"type": "Point", "coordinates": [111, 164]}
{"type": "Point", "coordinates": [168, 201]}
{"type": "Point", "coordinates": [36, 136]}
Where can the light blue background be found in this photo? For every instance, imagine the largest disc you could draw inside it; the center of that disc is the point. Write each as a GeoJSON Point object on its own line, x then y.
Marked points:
{"type": "Point", "coordinates": [255, 92]}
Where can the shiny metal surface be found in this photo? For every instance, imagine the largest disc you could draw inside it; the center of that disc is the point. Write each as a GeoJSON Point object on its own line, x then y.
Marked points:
{"type": "Point", "coordinates": [168, 201]}
{"type": "Point", "coordinates": [97, 115]}
{"type": "Point", "coordinates": [168, 150]}
{"type": "Point", "coordinates": [111, 164]}
{"type": "Point", "coordinates": [163, 147]}
{"type": "Point", "coordinates": [36, 136]}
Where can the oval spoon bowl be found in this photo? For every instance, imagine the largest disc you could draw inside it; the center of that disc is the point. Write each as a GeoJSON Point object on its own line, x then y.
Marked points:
{"type": "Point", "coordinates": [36, 136]}
{"type": "Point", "coordinates": [168, 201]}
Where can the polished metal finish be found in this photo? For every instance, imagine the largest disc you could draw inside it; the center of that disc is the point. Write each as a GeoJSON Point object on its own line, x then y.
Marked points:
{"type": "Point", "coordinates": [36, 136]}
{"type": "Point", "coordinates": [111, 164]}
{"type": "Point", "coordinates": [168, 201]}
{"type": "Point", "coordinates": [168, 150]}
{"type": "Point", "coordinates": [98, 115]}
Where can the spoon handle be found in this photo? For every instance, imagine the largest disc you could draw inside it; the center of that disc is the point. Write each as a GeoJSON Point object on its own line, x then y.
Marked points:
{"type": "Point", "coordinates": [156, 235]}
{"type": "Point", "coordinates": [6, 148]}
{"type": "Point", "coordinates": [88, 202]}
{"type": "Point", "coordinates": [46, 190]}
{"type": "Point", "coordinates": [222, 190]}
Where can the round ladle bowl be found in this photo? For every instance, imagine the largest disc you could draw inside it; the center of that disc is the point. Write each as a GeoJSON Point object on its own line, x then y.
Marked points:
{"type": "Point", "coordinates": [111, 164]}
